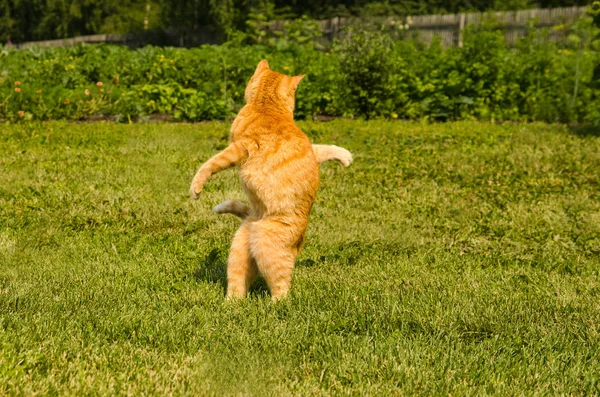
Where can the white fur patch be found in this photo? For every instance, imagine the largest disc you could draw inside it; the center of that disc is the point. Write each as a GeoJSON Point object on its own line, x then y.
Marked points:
{"type": "Point", "coordinates": [343, 155]}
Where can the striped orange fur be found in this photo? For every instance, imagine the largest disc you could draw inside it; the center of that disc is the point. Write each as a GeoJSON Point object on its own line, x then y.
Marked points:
{"type": "Point", "coordinates": [279, 174]}
{"type": "Point", "coordinates": [322, 153]}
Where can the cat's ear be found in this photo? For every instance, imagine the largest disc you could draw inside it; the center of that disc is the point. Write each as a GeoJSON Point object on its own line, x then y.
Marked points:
{"type": "Point", "coordinates": [296, 80]}
{"type": "Point", "coordinates": [262, 65]}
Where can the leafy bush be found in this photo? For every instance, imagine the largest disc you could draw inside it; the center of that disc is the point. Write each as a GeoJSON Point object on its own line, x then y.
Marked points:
{"type": "Point", "coordinates": [367, 68]}
{"type": "Point", "coordinates": [594, 12]}
{"type": "Point", "coordinates": [366, 75]}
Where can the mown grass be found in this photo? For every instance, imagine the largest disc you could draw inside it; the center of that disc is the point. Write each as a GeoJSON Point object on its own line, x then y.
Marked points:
{"type": "Point", "coordinates": [457, 258]}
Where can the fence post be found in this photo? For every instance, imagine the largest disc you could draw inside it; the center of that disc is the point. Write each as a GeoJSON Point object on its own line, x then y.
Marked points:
{"type": "Point", "coordinates": [461, 27]}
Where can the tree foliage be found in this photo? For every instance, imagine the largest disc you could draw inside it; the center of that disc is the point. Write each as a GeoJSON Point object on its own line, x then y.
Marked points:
{"type": "Point", "coordinates": [366, 74]}
{"type": "Point", "coordinates": [24, 20]}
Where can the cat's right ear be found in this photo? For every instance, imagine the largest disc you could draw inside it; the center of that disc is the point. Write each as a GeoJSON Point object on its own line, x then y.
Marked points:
{"type": "Point", "coordinates": [262, 65]}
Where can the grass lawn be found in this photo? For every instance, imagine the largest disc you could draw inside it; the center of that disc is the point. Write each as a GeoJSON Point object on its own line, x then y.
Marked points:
{"type": "Point", "coordinates": [459, 258]}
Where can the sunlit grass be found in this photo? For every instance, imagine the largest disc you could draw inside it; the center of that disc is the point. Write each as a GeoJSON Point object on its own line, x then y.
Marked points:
{"type": "Point", "coordinates": [454, 258]}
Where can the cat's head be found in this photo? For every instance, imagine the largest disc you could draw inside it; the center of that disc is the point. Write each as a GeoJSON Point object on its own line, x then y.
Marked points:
{"type": "Point", "coordinates": [271, 88]}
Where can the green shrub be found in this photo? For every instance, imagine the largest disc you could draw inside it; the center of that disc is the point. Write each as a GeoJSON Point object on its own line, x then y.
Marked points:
{"type": "Point", "coordinates": [367, 64]}
{"type": "Point", "coordinates": [367, 75]}
{"type": "Point", "coordinates": [594, 111]}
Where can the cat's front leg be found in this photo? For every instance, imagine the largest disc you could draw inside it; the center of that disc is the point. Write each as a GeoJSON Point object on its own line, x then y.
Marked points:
{"type": "Point", "coordinates": [232, 155]}
{"type": "Point", "coordinates": [198, 183]}
{"type": "Point", "coordinates": [331, 152]}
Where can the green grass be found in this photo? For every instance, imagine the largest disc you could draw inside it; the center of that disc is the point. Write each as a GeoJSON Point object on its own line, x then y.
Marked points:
{"type": "Point", "coordinates": [457, 258]}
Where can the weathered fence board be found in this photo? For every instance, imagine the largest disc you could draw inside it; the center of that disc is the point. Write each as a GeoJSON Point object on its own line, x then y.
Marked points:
{"type": "Point", "coordinates": [449, 26]}
{"type": "Point", "coordinates": [96, 38]}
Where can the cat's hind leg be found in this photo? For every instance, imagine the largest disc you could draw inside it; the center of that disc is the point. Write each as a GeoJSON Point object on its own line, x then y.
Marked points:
{"type": "Point", "coordinates": [275, 245]}
{"type": "Point", "coordinates": [241, 266]}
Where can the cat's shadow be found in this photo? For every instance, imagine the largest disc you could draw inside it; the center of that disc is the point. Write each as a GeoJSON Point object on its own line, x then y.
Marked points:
{"type": "Point", "coordinates": [213, 269]}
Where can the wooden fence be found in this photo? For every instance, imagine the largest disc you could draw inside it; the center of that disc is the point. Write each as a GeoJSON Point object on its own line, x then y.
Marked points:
{"type": "Point", "coordinates": [96, 38]}
{"type": "Point", "coordinates": [170, 37]}
{"type": "Point", "coordinates": [449, 27]}
{"type": "Point", "coordinates": [423, 27]}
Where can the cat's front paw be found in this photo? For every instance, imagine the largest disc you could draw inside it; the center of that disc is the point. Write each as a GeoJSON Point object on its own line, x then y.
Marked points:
{"type": "Point", "coordinates": [195, 190]}
{"type": "Point", "coordinates": [198, 182]}
{"type": "Point", "coordinates": [344, 156]}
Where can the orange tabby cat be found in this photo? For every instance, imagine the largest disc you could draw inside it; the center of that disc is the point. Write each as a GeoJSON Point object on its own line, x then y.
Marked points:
{"type": "Point", "coordinates": [280, 176]}
{"type": "Point", "coordinates": [323, 153]}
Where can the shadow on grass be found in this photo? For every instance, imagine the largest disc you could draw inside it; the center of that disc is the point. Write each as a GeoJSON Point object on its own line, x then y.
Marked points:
{"type": "Point", "coordinates": [306, 263]}
{"type": "Point", "coordinates": [584, 130]}
{"type": "Point", "coordinates": [213, 269]}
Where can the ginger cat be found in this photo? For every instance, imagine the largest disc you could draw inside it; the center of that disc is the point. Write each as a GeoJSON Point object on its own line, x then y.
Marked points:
{"type": "Point", "coordinates": [323, 153]}
{"type": "Point", "coordinates": [279, 174]}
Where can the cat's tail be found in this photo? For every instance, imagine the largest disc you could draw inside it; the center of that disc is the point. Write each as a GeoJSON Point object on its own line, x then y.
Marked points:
{"type": "Point", "coordinates": [232, 207]}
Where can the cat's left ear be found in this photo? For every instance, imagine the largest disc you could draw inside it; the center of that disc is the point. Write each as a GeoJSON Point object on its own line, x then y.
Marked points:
{"type": "Point", "coordinates": [262, 65]}
{"type": "Point", "coordinates": [296, 80]}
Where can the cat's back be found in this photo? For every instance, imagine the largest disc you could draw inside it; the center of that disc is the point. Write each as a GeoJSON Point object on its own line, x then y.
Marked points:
{"type": "Point", "coordinates": [281, 170]}
{"type": "Point", "coordinates": [277, 138]}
